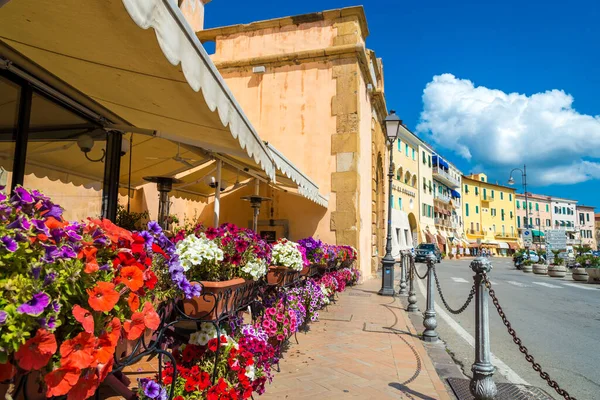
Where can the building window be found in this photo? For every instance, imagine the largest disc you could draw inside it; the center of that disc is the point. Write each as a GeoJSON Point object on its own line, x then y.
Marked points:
{"type": "Point", "coordinates": [467, 210]}
{"type": "Point", "coordinates": [424, 210]}
{"type": "Point", "coordinates": [537, 222]}
{"type": "Point", "coordinates": [424, 158]}
{"type": "Point", "coordinates": [424, 184]}
{"type": "Point", "coordinates": [478, 227]}
{"type": "Point", "coordinates": [399, 145]}
{"type": "Point", "coordinates": [548, 223]}
{"type": "Point", "coordinates": [476, 209]}
{"type": "Point", "coordinates": [501, 196]}
{"type": "Point", "coordinates": [503, 230]}
{"type": "Point", "coordinates": [484, 193]}
{"type": "Point", "coordinates": [530, 221]}
{"type": "Point", "coordinates": [494, 228]}
{"type": "Point", "coordinates": [518, 205]}
{"type": "Point", "coordinates": [406, 149]}
{"type": "Point", "coordinates": [502, 214]}
{"type": "Point", "coordinates": [524, 222]}
{"type": "Point", "coordinates": [493, 212]}
{"type": "Point", "coordinates": [492, 194]}
{"type": "Point", "coordinates": [466, 189]}
{"type": "Point", "coordinates": [429, 159]}
{"type": "Point", "coordinates": [537, 206]}
{"type": "Point", "coordinates": [511, 215]}
{"type": "Point", "coordinates": [406, 237]}
{"type": "Point", "coordinates": [400, 203]}
{"type": "Point", "coordinates": [587, 217]}
{"type": "Point", "coordinates": [547, 208]}
{"type": "Point", "coordinates": [510, 197]}
{"type": "Point", "coordinates": [512, 231]}
{"type": "Point", "coordinates": [476, 190]}
{"type": "Point", "coordinates": [518, 222]}
{"type": "Point", "coordinates": [564, 210]}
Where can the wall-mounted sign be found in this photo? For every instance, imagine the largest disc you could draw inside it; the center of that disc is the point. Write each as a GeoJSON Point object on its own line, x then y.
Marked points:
{"type": "Point", "coordinates": [403, 190]}
{"type": "Point", "coordinates": [269, 236]}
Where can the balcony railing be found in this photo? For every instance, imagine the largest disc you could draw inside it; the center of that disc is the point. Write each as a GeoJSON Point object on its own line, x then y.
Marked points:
{"type": "Point", "coordinates": [445, 177]}
{"type": "Point", "coordinates": [506, 235]}
{"type": "Point", "coordinates": [475, 232]}
{"type": "Point", "coordinates": [443, 222]}
{"type": "Point", "coordinates": [442, 197]}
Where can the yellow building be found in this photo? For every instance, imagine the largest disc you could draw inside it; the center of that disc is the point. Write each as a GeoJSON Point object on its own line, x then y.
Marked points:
{"type": "Point", "coordinates": [489, 215]}
{"type": "Point", "coordinates": [405, 192]}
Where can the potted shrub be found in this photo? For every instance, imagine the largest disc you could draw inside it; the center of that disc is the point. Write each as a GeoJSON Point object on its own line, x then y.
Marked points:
{"type": "Point", "coordinates": [579, 272]}
{"type": "Point", "coordinates": [527, 266]}
{"type": "Point", "coordinates": [557, 268]}
{"type": "Point", "coordinates": [221, 260]}
{"type": "Point", "coordinates": [286, 256]}
{"type": "Point", "coordinates": [540, 269]}
{"type": "Point", "coordinates": [593, 270]}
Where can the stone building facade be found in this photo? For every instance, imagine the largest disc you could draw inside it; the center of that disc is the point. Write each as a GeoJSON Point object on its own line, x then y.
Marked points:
{"type": "Point", "coordinates": [312, 89]}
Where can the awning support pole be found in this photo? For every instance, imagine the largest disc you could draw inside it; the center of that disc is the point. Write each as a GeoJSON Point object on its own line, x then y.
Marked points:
{"type": "Point", "coordinates": [22, 138]}
{"type": "Point", "coordinates": [112, 171]}
{"type": "Point", "coordinates": [218, 194]}
{"type": "Point", "coordinates": [256, 208]}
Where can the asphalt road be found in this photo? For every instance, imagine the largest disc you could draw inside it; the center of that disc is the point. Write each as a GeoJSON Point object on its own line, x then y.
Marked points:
{"type": "Point", "coordinates": [558, 320]}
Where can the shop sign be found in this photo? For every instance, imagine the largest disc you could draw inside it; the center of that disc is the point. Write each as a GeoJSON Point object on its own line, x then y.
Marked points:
{"type": "Point", "coordinates": [404, 190]}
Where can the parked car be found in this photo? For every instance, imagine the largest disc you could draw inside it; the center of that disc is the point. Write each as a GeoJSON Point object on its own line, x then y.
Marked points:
{"type": "Point", "coordinates": [425, 249]}
{"type": "Point", "coordinates": [533, 256]}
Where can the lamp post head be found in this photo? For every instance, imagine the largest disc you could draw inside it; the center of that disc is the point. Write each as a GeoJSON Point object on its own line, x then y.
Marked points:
{"type": "Point", "coordinates": [511, 181]}
{"type": "Point", "coordinates": [392, 126]}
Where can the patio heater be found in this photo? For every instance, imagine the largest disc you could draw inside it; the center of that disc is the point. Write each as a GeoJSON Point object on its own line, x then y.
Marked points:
{"type": "Point", "coordinates": [164, 184]}
{"type": "Point", "coordinates": [255, 202]}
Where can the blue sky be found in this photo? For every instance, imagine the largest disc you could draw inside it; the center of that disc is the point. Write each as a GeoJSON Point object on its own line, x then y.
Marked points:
{"type": "Point", "coordinates": [521, 85]}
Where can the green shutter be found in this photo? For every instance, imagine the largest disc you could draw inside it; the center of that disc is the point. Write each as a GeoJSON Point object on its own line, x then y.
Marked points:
{"type": "Point", "coordinates": [466, 209]}
{"type": "Point", "coordinates": [510, 197]}
{"type": "Point", "coordinates": [547, 210]}
{"type": "Point", "coordinates": [501, 196]}
{"type": "Point", "coordinates": [476, 209]}
{"type": "Point", "coordinates": [537, 206]}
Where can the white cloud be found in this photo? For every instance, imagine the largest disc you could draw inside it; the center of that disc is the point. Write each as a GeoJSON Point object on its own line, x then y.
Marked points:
{"type": "Point", "coordinates": [501, 130]}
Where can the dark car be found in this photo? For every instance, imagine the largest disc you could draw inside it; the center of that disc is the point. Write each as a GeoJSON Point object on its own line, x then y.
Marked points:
{"type": "Point", "coordinates": [425, 249]}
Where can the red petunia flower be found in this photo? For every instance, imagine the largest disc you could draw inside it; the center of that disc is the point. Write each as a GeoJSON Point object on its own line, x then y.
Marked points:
{"type": "Point", "coordinates": [151, 318]}
{"type": "Point", "coordinates": [134, 302]}
{"type": "Point", "coordinates": [135, 328]}
{"type": "Point", "coordinates": [61, 380]}
{"type": "Point", "coordinates": [204, 381]}
{"type": "Point", "coordinates": [105, 369]}
{"type": "Point", "coordinates": [190, 386]}
{"type": "Point", "coordinates": [84, 317]}
{"type": "Point", "coordinates": [7, 371]}
{"type": "Point", "coordinates": [85, 387]}
{"type": "Point", "coordinates": [132, 277]}
{"type": "Point", "coordinates": [178, 397]}
{"type": "Point", "coordinates": [137, 247]}
{"type": "Point", "coordinates": [103, 297]}
{"type": "Point", "coordinates": [114, 330]}
{"type": "Point", "coordinates": [157, 249]}
{"type": "Point", "coordinates": [37, 351]}
{"type": "Point", "coordinates": [112, 231]}
{"type": "Point", "coordinates": [150, 279]}
{"type": "Point", "coordinates": [213, 344]}
{"type": "Point", "coordinates": [79, 351]}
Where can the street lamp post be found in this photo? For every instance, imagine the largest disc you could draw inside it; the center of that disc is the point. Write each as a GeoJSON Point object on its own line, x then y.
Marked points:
{"type": "Point", "coordinates": [511, 182]}
{"type": "Point", "coordinates": [392, 128]}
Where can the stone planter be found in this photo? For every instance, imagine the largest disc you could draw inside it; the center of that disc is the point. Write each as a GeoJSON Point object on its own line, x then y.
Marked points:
{"type": "Point", "coordinates": [557, 271]}
{"type": "Point", "coordinates": [527, 268]}
{"type": "Point", "coordinates": [540, 269]}
{"type": "Point", "coordinates": [216, 299]}
{"type": "Point", "coordinates": [593, 275]}
{"type": "Point", "coordinates": [580, 275]}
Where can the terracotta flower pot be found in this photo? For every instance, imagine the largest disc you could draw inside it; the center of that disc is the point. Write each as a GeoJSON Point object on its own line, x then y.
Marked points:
{"type": "Point", "coordinates": [593, 275]}
{"type": "Point", "coordinates": [540, 269]}
{"type": "Point", "coordinates": [216, 298]}
{"type": "Point", "coordinates": [557, 271]}
{"type": "Point", "coordinates": [276, 275]}
{"type": "Point", "coordinates": [126, 347]}
{"type": "Point", "coordinates": [305, 271]}
{"type": "Point", "coordinates": [580, 275]}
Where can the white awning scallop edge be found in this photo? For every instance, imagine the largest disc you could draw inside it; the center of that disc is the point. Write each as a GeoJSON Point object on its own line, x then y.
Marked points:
{"type": "Point", "coordinates": [180, 45]}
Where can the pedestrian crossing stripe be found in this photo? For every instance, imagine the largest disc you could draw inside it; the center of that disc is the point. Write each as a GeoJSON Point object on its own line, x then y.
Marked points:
{"type": "Point", "coordinates": [519, 284]}
{"type": "Point", "coordinates": [548, 285]}
{"type": "Point", "coordinates": [459, 280]}
{"type": "Point", "coordinates": [580, 286]}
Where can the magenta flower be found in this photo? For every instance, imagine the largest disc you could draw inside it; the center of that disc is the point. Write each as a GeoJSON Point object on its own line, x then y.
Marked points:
{"type": "Point", "coordinates": [3, 316]}
{"type": "Point", "coordinates": [36, 305]}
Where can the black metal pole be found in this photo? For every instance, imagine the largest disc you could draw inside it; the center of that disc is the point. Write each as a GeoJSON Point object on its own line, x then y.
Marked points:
{"type": "Point", "coordinates": [22, 136]}
{"type": "Point", "coordinates": [387, 273]}
{"type": "Point", "coordinates": [112, 170]}
{"type": "Point", "coordinates": [524, 176]}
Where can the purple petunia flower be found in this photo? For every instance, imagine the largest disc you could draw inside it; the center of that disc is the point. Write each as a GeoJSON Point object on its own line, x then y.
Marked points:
{"type": "Point", "coordinates": [39, 226]}
{"type": "Point", "coordinates": [52, 253]}
{"type": "Point", "coordinates": [9, 244]}
{"type": "Point", "coordinates": [148, 238]}
{"type": "Point", "coordinates": [152, 389]}
{"type": "Point", "coordinates": [50, 277]}
{"type": "Point", "coordinates": [52, 211]}
{"type": "Point", "coordinates": [56, 306]}
{"type": "Point", "coordinates": [67, 252]}
{"type": "Point", "coordinates": [35, 271]}
{"type": "Point", "coordinates": [154, 227]}
{"type": "Point", "coordinates": [21, 198]}
{"type": "Point", "coordinates": [3, 316]}
{"type": "Point", "coordinates": [47, 323]}
{"type": "Point", "coordinates": [20, 223]}
{"type": "Point", "coordinates": [105, 267]}
{"type": "Point", "coordinates": [36, 305]}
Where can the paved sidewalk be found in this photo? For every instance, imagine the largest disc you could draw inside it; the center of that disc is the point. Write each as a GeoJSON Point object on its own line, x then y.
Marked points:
{"type": "Point", "coordinates": [364, 346]}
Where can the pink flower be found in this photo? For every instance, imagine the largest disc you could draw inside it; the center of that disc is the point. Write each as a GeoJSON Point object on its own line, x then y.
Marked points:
{"type": "Point", "coordinates": [280, 337]}
{"type": "Point", "coordinates": [270, 312]}
{"type": "Point", "coordinates": [279, 317]}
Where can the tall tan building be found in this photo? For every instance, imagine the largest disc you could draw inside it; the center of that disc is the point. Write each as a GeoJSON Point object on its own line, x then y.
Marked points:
{"type": "Point", "coordinates": [312, 89]}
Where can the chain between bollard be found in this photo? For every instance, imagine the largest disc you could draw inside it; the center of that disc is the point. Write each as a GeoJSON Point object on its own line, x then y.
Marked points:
{"type": "Point", "coordinates": [452, 311]}
{"type": "Point", "coordinates": [536, 367]}
{"type": "Point", "coordinates": [417, 273]}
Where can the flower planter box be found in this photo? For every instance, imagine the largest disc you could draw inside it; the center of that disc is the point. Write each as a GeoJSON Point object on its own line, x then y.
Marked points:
{"type": "Point", "coordinates": [36, 389]}
{"type": "Point", "coordinates": [125, 348]}
{"type": "Point", "coordinates": [557, 271]}
{"type": "Point", "coordinates": [217, 298]}
{"type": "Point", "coordinates": [540, 269]}
{"type": "Point", "coordinates": [580, 275]}
{"type": "Point", "coordinates": [527, 268]}
{"type": "Point", "coordinates": [277, 275]}
{"type": "Point", "coordinates": [593, 275]}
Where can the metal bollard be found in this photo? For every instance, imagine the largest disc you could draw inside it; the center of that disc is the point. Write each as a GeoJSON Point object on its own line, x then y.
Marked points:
{"type": "Point", "coordinates": [405, 260]}
{"type": "Point", "coordinates": [429, 322]}
{"type": "Point", "coordinates": [482, 384]}
{"type": "Point", "coordinates": [412, 295]}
